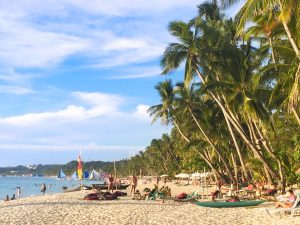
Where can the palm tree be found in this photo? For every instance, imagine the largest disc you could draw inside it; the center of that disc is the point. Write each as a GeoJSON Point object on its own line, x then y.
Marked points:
{"type": "Point", "coordinates": [287, 12]}
{"type": "Point", "coordinates": [190, 50]}
{"type": "Point", "coordinates": [165, 110]}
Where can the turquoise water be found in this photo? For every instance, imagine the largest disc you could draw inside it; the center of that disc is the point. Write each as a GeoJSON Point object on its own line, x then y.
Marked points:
{"type": "Point", "coordinates": [30, 186]}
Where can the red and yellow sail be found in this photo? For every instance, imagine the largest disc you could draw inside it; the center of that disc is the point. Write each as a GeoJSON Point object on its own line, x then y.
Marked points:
{"type": "Point", "coordinates": [79, 168]}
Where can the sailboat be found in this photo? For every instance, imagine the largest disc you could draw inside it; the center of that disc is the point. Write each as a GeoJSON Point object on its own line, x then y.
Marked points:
{"type": "Point", "coordinates": [74, 176]}
{"type": "Point", "coordinates": [94, 175]}
{"type": "Point", "coordinates": [61, 175]}
{"type": "Point", "coordinates": [86, 175]}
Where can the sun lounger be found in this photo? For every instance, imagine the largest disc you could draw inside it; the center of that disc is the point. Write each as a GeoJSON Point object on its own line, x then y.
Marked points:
{"type": "Point", "coordinates": [294, 209]}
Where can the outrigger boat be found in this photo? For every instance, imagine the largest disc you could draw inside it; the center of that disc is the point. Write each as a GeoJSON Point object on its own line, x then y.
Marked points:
{"type": "Point", "coordinates": [105, 186]}
{"type": "Point", "coordinates": [217, 204]}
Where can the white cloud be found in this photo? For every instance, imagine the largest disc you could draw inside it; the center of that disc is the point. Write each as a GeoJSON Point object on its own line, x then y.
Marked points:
{"type": "Point", "coordinates": [136, 73]}
{"type": "Point", "coordinates": [22, 45]}
{"type": "Point", "coordinates": [17, 90]}
{"type": "Point", "coordinates": [101, 104]}
{"type": "Point", "coordinates": [94, 122]}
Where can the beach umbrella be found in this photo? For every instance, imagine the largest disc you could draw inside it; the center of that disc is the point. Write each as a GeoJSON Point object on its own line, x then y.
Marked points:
{"type": "Point", "coordinates": [182, 175]}
{"type": "Point", "coordinates": [204, 174]}
{"type": "Point", "coordinates": [196, 174]}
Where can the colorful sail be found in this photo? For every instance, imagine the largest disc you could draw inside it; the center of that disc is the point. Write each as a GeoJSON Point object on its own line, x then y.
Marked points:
{"type": "Point", "coordinates": [103, 175]}
{"type": "Point", "coordinates": [79, 168]}
{"type": "Point", "coordinates": [86, 174]}
{"type": "Point", "coordinates": [61, 175]}
{"type": "Point", "coordinates": [74, 176]}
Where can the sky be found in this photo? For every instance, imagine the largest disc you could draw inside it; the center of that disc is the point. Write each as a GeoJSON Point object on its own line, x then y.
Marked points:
{"type": "Point", "coordinates": [79, 75]}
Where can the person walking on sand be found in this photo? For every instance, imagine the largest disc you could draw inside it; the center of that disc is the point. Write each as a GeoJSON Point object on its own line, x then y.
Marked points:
{"type": "Point", "coordinates": [43, 188]}
{"type": "Point", "coordinates": [18, 191]}
{"type": "Point", "coordinates": [133, 184]}
{"type": "Point", "coordinates": [111, 183]}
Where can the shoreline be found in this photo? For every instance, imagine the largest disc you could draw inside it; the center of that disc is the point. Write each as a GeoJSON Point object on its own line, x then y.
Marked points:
{"type": "Point", "coordinates": [70, 208]}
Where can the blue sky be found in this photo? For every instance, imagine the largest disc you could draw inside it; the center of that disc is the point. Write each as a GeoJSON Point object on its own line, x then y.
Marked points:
{"type": "Point", "coordinates": [80, 75]}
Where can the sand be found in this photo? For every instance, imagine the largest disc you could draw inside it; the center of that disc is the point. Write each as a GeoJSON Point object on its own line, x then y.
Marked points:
{"type": "Point", "coordinates": [69, 208]}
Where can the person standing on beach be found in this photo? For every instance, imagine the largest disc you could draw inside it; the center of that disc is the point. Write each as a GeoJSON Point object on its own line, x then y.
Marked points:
{"type": "Point", "coordinates": [43, 188]}
{"type": "Point", "coordinates": [18, 190]}
{"type": "Point", "coordinates": [111, 183]}
{"type": "Point", "coordinates": [133, 184]}
{"type": "Point", "coordinates": [157, 180]}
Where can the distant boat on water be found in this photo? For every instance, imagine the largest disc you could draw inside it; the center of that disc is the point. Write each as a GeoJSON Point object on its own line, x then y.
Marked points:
{"type": "Point", "coordinates": [74, 176]}
{"type": "Point", "coordinates": [86, 175]}
{"type": "Point", "coordinates": [61, 175]}
{"type": "Point", "coordinates": [37, 175]}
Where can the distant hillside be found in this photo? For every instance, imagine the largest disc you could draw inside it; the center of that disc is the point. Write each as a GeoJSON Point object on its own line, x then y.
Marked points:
{"type": "Point", "coordinates": [52, 170]}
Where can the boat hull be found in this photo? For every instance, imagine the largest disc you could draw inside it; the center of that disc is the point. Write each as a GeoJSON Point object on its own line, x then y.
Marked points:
{"type": "Point", "coordinates": [229, 204]}
{"type": "Point", "coordinates": [105, 186]}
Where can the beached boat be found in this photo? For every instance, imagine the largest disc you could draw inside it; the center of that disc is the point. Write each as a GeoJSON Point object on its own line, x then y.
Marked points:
{"type": "Point", "coordinates": [105, 186]}
{"type": "Point", "coordinates": [78, 188]}
{"type": "Point", "coordinates": [229, 204]}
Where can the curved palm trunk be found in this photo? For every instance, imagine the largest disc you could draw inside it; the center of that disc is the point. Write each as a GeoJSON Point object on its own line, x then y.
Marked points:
{"type": "Point", "coordinates": [214, 147]}
{"type": "Point", "coordinates": [272, 50]}
{"type": "Point", "coordinates": [240, 131]}
{"type": "Point", "coordinates": [291, 39]}
{"type": "Point", "coordinates": [238, 150]}
{"type": "Point", "coordinates": [296, 114]}
{"type": "Point", "coordinates": [213, 168]}
{"type": "Point", "coordinates": [271, 152]}
{"type": "Point", "coordinates": [179, 130]}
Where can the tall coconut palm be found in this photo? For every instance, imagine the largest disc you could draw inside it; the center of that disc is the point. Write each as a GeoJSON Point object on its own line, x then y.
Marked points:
{"type": "Point", "coordinates": [165, 110]}
{"type": "Point", "coordinates": [206, 47]}
{"type": "Point", "coordinates": [286, 10]}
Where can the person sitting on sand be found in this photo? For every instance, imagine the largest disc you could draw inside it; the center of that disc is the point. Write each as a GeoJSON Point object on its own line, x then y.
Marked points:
{"type": "Point", "coordinates": [289, 203]}
{"type": "Point", "coordinates": [111, 183]}
{"type": "Point", "coordinates": [133, 184]}
{"type": "Point", "coordinates": [13, 197]}
{"type": "Point", "coordinates": [6, 198]}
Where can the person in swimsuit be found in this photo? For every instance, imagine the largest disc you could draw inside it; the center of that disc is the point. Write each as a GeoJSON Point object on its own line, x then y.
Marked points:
{"type": "Point", "coordinates": [111, 183]}
{"type": "Point", "coordinates": [289, 203]}
{"type": "Point", "coordinates": [133, 184]}
{"type": "Point", "coordinates": [18, 190]}
{"type": "Point", "coordinates": [43, 188]}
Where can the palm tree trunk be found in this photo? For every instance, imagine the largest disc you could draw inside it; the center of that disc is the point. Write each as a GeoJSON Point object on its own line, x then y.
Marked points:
{"type": "Point", "coordinates": [213, 146]}
{"type": "Point", "coordinates": [239, 130]}
{"type": "Point", "coordinates": [235, 170]}
{"type": "Point", "coordinates": [213, 168]}
{"type": "Point", "coordinates": [290, 37]}
{"type": "Point", "coordinates": [296, 114]}
{"type": "Point", "coordinates": [238, 150]}
{"type": "Point", "coordinates": [179, 130]}
{"type": "Point", "coordinates": [272, 50]}
{"type": "Point", "coordinates": [271, 152]}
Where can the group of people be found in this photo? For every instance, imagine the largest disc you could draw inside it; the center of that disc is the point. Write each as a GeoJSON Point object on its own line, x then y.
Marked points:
{"type": "Point", "coordinates": [112, 183]}
{"type": "Point", "coordinates": [14, 197]}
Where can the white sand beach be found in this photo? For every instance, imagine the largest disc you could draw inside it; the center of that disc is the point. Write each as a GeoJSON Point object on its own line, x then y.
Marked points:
{"type": "Point", "coordinates": [70, 209]}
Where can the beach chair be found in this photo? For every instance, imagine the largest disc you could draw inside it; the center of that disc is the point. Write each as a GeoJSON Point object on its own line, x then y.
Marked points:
{"type": "Point", "coordinates": [294, 209]}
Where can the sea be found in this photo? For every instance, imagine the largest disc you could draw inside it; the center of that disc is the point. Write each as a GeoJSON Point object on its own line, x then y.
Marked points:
{"type": "Point", "coordinates": [31, 186]}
